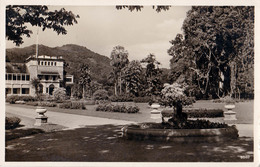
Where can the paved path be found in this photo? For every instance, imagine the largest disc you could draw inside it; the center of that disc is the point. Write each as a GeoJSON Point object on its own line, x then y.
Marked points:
{"type": "Point", "coordinates": [71, 121]}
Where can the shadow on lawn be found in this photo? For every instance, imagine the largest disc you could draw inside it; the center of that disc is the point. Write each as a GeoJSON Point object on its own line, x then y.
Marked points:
{"type": "Point", "coordinates": [104, 143]}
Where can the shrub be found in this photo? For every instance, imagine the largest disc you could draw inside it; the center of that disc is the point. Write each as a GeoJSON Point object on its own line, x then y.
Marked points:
{"type": "Point", "coordinates": [32, 103]}
{"type": "Point", "coordinates": [12, 122]}
{"type": "Point", "coordinates": [145, 99]}
{"type": "Point", "coordinates": [59, 94]}
{"type": "Point", "coordinates": [12, 99]}
{"type": "Point", "coordinates": [121, 98]}
{"type": "Point", "coordinates": [197, 113]}
{"type": "Point", "coordinates": [90, 102]}
{"type": "Point", "coordinates": [72, 105]}
{"type": "Point", "coordinates": [117, 108]}
{"type": "Point", "coordinates": [101, 95]}
{"type": "Point", "coordinates": [48, 104]}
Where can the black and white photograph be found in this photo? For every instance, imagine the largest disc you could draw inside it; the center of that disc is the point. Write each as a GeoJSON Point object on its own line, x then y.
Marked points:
{"type": "Point", "coordinates": [129, 84]}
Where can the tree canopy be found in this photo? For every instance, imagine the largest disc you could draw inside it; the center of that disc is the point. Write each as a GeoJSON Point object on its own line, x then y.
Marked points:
{"type": "Point", "coordinates": [217, 48]}
{"type": "Point", "coordinates": [17, 18]}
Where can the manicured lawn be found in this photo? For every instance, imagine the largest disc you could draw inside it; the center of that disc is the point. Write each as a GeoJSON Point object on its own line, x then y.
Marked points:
{"type": "Point", "coordinates": [244, 111]}
{"type": "Point", "coordinates": [103, 143]}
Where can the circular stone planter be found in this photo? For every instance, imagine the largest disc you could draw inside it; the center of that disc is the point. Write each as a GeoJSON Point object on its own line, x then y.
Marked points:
{"type": "Point", "coordinates": [142, 132]}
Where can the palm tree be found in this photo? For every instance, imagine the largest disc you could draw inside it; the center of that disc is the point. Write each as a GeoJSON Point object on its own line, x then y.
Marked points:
{"type": "Point", "coordinates": [85, 78]}
{"type": "Point", "coordinates": [119, 60]}
{"type": "Point", "coordinates": [35, 83]}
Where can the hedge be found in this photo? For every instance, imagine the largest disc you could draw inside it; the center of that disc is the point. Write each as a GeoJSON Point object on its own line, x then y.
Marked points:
{"type": "Point", "coordinates": [117, 108]}
{"type": "Point", "coordinates": [197, 113]}
{"type": "Point", "coordinates": [12, 122]}
{"type": "Point", "coordinates": [12, 99]}
{"type": "Point", "coordinates": [145, 99]}
{"type": "Point", "coordinates": [72, 105]}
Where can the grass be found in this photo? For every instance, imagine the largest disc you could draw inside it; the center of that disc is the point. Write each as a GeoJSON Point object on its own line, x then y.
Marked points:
{"type": "Point", "coordinates": [103, 143]}
{"type": "Point", "coordinates": [244, 111]}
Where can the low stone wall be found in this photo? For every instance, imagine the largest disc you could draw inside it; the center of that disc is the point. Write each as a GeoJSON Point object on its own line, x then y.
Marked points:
{"type": "Point", "coordinates": [137, 132]}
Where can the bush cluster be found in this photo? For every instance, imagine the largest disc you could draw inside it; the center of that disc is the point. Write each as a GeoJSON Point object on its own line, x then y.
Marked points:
{"type": "Point", "coordinates": [59, 94]}
{"type": "Point", "coordinates": [32, 103]}
{"type": "Point", "coordinates": [197, 113]}
{"type": "Point", "coordinates": [101, 95]}
{"type": "Point", "coordinates": [117, 108]}
{"type": "Point", "coordinates": [12, 122]}
{"type": "Point", "coordinates": [12, 99]}
{"type": "Point", "coordinates": [204, 113]}
{"type": "Point", "coordinates": [72, 105]}
{"type": "Point", "coordinates": [121, 98]}
{"type": "Point", "coordinates": [145, 99]}
{"type": "Point", "coordinates": [47, 104]}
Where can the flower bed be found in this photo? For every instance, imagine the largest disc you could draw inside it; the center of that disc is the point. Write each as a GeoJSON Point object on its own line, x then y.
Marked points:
{"type": "Point", "coordinates": [197, 131]}
{"type": "Point", "coordinates": [117, 108]}
{"type": "Point", "coordinates": [197, 113]}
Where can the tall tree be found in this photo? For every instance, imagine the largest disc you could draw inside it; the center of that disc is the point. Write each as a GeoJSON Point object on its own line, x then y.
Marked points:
{"type": "Point", "coordinates": [17, 18]}
{"type": "Point", "coordinates": [132, 75]}
{"type": "Point", "coordinates": [152, 75]}
{"type": "Point", "coordinates": [218, 41]}
{"type": "Point", "coordinates": [119, 59]}
{"type": "Point", "coordinates": [84, 78]}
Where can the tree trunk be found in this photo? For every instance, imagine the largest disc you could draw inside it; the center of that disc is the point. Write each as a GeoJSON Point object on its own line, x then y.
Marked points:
{"type": "Point", "coordinates": [232, 77]}
{"type": "Point", "coordinates": [120, 84]}
{"type": "Point", "coordinates": [115, 89]}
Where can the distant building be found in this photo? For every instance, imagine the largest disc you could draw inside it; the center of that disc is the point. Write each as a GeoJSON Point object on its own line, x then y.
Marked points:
{"type": "Point", "coordinates": [48, 69]}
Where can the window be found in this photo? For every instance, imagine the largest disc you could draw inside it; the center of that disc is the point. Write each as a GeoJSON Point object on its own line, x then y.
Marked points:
{"type": "Point", "coordinates": [46, 77]}
{"type": "Point", "coordinates": [25, 90]}
{"type": "Point", "coordinates": [68, 80]}
{"type": "Point", "coordinates": [7, 90]}
{"type": "Point", "coordinates": [14, 77]}
{"type": "Point", "coordinates": [48, 63]}
{"type": "Point", "coordinates": [16, 90]}
{"type": "Point", "coordinates": [39, 63]}
{"type": "Point", "coordinates": [27, 77]}
{"type": "Point", "coordinates": [18, 77]}
{"type": "Point", "coordinates": [55, 63]}
{"type": "Point", "coordinates": [45, 63]}
{"type": "Point", "coordinates": [51, 63]}
{"type": "Point", "coordinates": [5, 76]}
{"type": "Point", "coordinates": [42, 63]}
{"type": "Point", "coordinates": [23, 77]}
{"type": "Point", "coordinates": [47, 90]}
{"type": "Point", "coordinates": [9, 77]}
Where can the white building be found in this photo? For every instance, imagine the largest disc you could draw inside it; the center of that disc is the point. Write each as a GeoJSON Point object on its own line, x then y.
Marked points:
{"type": "Point", "coordinates": [48, 69]}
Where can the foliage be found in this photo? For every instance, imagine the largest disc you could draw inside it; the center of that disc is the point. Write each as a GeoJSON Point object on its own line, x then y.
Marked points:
{"type": "Point", "coordinates": [197, 113]}
{"type": "Point", "coordinates": [13, 98]}
{"type": "Point", "coordinates": [132, 75]}
{"type": "Point", "coordinates": [12, 122]}
{"type": "Point", "coordinates": [32, 103]}
{"type": "Point", "coordinates": [139, 8]}
{"type": "Point", "coordinates": [119, 59]}
{"type": "Point", "coordinates": [101, 95]}
{"type": "Point", "coordinates": [59, 94]}
{"type": "Point", "coordinates": [144, 99]}
{"type": "Point", "coordinates": [173, 94]}
{"type": "Point", "coordinates": [217, 50]}
{"type": "Point", "coordinates": [72, 105]}
{"type": "Point", "coordinates": [35, 82]}
{"type": "Point", "coordinates": [152, 75]}
{"type": "Point", "coordinates": [117, 108]}
{"type": "Point", "coordinates": [18, 16]}
{"type": "Point", "coordinates": [121, 98]}
{"type": "Point", "coordinates": [84, 78]}
{"type": "Point", "coordinates": [47, 104]}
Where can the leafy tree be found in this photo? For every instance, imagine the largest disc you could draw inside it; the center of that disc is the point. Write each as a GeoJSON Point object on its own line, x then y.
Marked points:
{"type": "Point", "coordinates": [152, 75]}
{"type": "Point", "coordinates": [217, 46]}
{"type": "Point", "coordinates": [84, 78]}
{"type": "Point", "coordinates": [132, 75]}
{"type": "Point", "coordinates": [119, 59]}
{"type": "Point", "coordinates": [35, 82]}
{"type": "Point", "coordinates": [139, 8]}
{"type": "Point", "coordinates": [59, 94]}
{"type": "Point", "coordinates": [17, 18]}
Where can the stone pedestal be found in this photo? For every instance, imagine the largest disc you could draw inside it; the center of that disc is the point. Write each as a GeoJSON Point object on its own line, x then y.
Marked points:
{"type": "Point", "coordinates": [41, 118]}
{"type": "Point", "coordinates": [155, 113]}
{"type": "Point", "coordinates": [230, 114]}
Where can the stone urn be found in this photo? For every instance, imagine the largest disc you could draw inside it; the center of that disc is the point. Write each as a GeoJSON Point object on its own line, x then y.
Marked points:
{"type": "Point", "coordinates": [229, 114]}
{"type": "Point", "coordinates": [41, 118]}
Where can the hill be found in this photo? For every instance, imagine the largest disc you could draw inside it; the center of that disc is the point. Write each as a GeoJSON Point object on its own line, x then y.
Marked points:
{"type": "Point", "coordinates": [73, 55]}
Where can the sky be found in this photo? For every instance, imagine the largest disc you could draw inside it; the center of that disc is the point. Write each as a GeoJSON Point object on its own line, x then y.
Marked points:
{"type": "Point", "coordinates": [100, 28]}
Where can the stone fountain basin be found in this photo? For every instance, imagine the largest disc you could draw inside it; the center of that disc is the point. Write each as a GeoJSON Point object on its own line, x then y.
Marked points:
{"type": "Point", "coordinates": [139, 132]}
